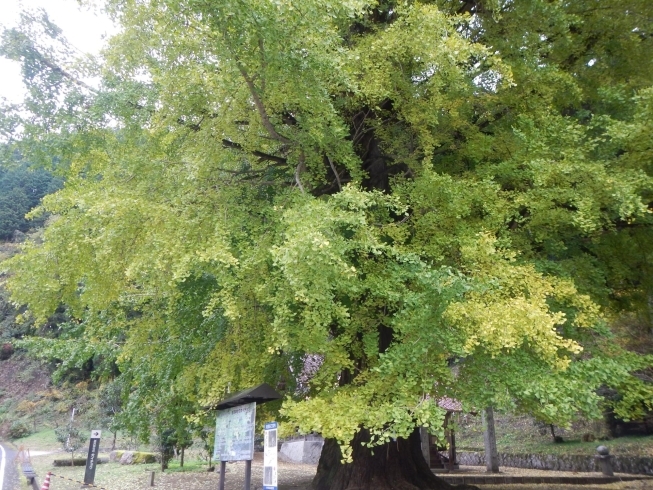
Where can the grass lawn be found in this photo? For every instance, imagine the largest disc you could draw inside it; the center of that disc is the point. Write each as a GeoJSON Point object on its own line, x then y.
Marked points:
{"type": "Point", "coordinates": [193, 476]}
{"type": "Point", "coordinates": [45, 440]}
{"type": "Point", "coordinates": [114, 476]}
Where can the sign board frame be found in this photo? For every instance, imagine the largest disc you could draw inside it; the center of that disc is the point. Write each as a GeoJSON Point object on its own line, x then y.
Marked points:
{"type": "Point", "coordinates": [234, 433]}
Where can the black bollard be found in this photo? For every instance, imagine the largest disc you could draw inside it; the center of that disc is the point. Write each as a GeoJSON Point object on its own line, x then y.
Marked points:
{"type": "Point", "coordinates": [604, 460]}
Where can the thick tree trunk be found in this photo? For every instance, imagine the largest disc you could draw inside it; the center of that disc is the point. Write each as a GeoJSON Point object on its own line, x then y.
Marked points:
{"type": "Point", "coordinates": [398, 465]}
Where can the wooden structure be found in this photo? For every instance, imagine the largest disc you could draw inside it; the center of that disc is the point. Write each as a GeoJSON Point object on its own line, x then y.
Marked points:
{"type": "Point", "coordinates": [262, 393]}
{"type": "Point", "coordinates": [443, 458]}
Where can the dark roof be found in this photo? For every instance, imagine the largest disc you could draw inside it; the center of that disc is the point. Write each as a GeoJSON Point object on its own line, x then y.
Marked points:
{"type": "Point", "coordinates": [260, 394]}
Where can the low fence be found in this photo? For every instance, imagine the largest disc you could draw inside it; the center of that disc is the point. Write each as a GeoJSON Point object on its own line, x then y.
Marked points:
{"type": "Point", "coordinates": [580, 463]}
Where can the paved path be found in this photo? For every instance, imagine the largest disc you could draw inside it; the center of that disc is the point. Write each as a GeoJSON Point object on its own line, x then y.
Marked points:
{"type": "Point", "coordinates": [476, 475]}
{"type": "Point", "coordinates": [8, 474]}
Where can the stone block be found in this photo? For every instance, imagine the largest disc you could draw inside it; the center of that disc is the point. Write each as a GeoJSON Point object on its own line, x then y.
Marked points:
{"type": "Point", "coordinates": [144, 458]}
{"type": "Point", "coordinates": [578, 463]}
{"type": "Point", "coordinates": [133, 457]}
{"type": "Point", "coordinates": [127, 457]}
{"type": "Point", "coordinates": [300, 451]}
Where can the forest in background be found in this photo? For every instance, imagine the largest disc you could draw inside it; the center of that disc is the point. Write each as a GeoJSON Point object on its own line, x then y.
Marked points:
{"type": "Point", "coordinates": [21, 189]}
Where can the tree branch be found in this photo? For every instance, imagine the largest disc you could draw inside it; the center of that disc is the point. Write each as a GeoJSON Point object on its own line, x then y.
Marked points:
{"type": "Point", "coordinates": [263, 156]}
{"type": "Point", "coordinates": [333, 167]}
{"type": "Point", "coordinates": [300, 168]}
{"type": "Point", "coordinates": [265, 119]}
{"type": "Point", "coordinates": [57, 69]}
{"type": "Point", "coordinates": [263, 62]}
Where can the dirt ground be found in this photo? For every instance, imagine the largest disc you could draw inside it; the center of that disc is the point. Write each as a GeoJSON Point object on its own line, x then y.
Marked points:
{"type": "Point", "coordinates": [113, 476]}
{"type": "Point", "coordinates": [632, 485]}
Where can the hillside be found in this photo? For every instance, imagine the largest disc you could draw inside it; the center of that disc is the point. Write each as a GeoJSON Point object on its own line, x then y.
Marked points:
{"type": "Point", "coordinates": [28, 400]}
{"type": "Point", "coordinates": [26, 395]}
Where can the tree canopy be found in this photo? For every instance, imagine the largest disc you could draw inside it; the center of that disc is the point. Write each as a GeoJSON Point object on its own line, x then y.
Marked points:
{"type": "Point", "coordinates": [432, 198]}
{"type": "Point", "coordinates": [21, 189]}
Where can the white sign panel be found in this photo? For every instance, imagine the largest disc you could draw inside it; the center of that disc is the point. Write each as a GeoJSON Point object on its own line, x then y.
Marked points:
{"type": "Point", "coordinates": [234, 433]}
{"type": "Point", "coordinates": [270, 457]}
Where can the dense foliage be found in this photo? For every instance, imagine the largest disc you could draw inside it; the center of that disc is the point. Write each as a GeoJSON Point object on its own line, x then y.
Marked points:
{"type": "Point", "coordinates": [21, 189]}
{"type": "Point", "coordinates": [435, 198]}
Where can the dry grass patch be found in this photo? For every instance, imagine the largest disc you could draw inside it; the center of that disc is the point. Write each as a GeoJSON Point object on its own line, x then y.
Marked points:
{"type": "Point", "coordinates": [114, 476]}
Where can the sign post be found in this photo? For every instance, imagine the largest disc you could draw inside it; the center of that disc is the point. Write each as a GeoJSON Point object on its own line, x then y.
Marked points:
{"type": "Point", "coordinates": [270, 457]}
{"type": "Point", "coordinates": [91, 459]}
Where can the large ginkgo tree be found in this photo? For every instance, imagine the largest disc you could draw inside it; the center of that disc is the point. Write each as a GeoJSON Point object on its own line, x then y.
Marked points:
{"type": "Point", "coordinates": [368, 204]}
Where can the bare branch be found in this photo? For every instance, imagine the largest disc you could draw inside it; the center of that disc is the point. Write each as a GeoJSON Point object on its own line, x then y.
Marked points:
{"type": "Point", "coordinates": [300, 168]}
{"type": "Point", "coordinates": [360, 126]}
{"type": "Point", "coordinates": [57, 69]}
{"type": "Point", "coordinates": [333, 167]}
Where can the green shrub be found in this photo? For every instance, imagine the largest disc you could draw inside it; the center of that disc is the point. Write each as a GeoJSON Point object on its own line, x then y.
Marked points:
{"type": "Point", "coordinates": [18, 429]}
